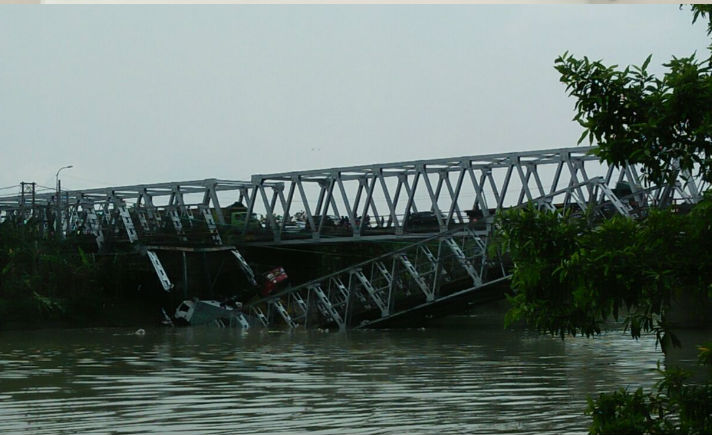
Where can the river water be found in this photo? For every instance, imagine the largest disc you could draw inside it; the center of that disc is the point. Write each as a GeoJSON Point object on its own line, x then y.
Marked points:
{"type": "Point", "coordinates": [465, 376]}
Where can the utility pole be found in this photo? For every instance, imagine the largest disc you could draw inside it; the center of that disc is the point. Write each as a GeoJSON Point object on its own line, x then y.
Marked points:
{"type": "Point", "coordinates": [58, 220]}
{"type": "Point", "coordinates": [34, 186]}
{"type": "Point", "coordinates": [22, 199]}
{"type": "Point", "coordinates": [25, 189]}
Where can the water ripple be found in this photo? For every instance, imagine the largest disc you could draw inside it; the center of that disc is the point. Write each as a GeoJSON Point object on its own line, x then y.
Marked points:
{"type": "Point", "coordinates": [372, 382]}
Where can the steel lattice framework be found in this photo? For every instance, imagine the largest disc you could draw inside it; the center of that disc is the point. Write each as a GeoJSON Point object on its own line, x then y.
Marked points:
{"type": "Point", "coordinates": [379, 201]}
{"type": "Point", "coordinates": [128, 212]}
{"type": "Point", "coordinates": [446, 205]}
{"type": "Point", "coordinates": [411, 278]}
{"type": "Point", "coordinates": [451, 266]}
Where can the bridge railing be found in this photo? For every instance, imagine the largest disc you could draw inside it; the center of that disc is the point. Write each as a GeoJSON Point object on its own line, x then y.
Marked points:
{"type": "Point", "coordinates": [404, 200]}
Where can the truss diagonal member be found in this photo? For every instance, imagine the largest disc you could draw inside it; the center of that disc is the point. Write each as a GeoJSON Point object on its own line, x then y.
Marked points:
{"type": "Point", "coordinates": [429, 294]}
{"type": "Point", "coordinates": [372, 292]}
{"type": "Point", "coordinates": [160, 271]}
{"type": "Point", "coordinates": [384, 271]}
{"type": "Point", "coordinates": [245, 267]}
{"type": "Point", "coordinates": [574, 184]}
{"type": "Point", "coordinates": [120, 206]}
{"type": "Point", "coordinates": [269, 207]}
{"type": "Point", "coordinates": [301, 303]}
{"type": "Point", "coordinates": [92, 223]}
{"type": "Point", "coordinates": [433, 198]}
{"type": "Point", "coordinates": [128, 224]}
{"type": "Point", "coordinates": [347, 204]}
{"type": "Point", "coordinates": [429, 255]}
{"type": "Point", "coordinates": [622, 208]}
{"type": "Point", "coordinates": [297, 308]}
{"type": "Point", "coordinates": [257, 311]}
{"type": "Point", "coordinates": [370, 187]}
{"type": "Point", "coordinates": [277, 304]}
{"type": "Point", "coordinates": [688, 183]}
{"type": "Point", "coordinates": [154, 216]}
{"type": "Point", "coordinates": [685, 196]}
{"type": "Point", "coordinates": [210, 222]}
{"type": "Point", "coordinates": [141, 213]}
{"type": "Point", "coordinates": [175, 219]}
{"type": "Point", "coordinates": [327, 308]}
{"type": "Point", "coordinates": [454, 195]}
{"type": "Point", "coordinates": [464, 262]}
{"type": "Point", "coordinates": [343, 291]}
{"type": "Point", "coordinates": [392, 217]}
{"type": "Point", "coordinates": [434, 261]}
{"type": "Point", "coordinates": [286, 206]}
{"type": "Point", "coordinates": [243, 321]}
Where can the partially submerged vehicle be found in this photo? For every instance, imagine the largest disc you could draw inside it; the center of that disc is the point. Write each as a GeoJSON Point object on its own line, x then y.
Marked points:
{"type": "Point", "coordinates": [272, 280]}
{"type": "Point", "coordinates": [210, 312]}
{"type": "Point", "coordinates": [228, 313]}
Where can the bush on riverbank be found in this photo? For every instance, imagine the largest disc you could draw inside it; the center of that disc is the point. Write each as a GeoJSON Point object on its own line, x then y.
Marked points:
{"type": "Point", "coordinates": [674, 407]}
{"type": "Point", "coordinates": [48, 281]}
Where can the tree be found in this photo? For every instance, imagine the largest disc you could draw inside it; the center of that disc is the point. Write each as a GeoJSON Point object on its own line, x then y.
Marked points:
{"type": "Point", "coordinates": [571, 273]}
{"type": "Point", "coordinates": [663, 123]}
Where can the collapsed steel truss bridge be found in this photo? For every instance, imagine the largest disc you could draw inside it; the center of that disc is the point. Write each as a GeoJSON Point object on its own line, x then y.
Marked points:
{"type": "Point", "coordinates": [445, 206]}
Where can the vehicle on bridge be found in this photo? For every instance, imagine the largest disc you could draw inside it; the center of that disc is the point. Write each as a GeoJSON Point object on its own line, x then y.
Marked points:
{"type": "Point", "coordinates": [423, 221]}
{"type": "Point", "coordinates": [236, 215]}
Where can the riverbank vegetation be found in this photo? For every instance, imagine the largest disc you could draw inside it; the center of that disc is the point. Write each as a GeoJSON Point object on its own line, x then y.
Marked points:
{"type": "Point", "coordinates": [572, 272]}
{"type": "Point", "coordinates": [49, 281]}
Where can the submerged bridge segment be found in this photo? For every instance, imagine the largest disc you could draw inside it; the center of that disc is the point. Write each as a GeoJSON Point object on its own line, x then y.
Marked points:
{"type": "Point", "coordinates": [446, 207]}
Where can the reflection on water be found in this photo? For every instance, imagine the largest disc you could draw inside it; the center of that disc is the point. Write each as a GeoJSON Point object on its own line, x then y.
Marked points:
{"type": "Point", "coordinates": [471, 379]}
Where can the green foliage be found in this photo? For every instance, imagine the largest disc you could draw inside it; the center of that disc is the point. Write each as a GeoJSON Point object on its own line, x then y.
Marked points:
{"type": "Point", "coordinates": [705, 354]}
{"type": "Point", "coordinates": [570, 275]}
{"type": "Point", "coordinates": [675, 407]}
{"type": "Point", "coordinates": [663, 123]}
{"type": "Point", "coordinates": [538, 243]}
{"type": "Point", "coordinates": [46, 279]}
{"type": "Point", "coordinates": [703, 11]}
{"type": "Point", "coordinates": [620, 412]}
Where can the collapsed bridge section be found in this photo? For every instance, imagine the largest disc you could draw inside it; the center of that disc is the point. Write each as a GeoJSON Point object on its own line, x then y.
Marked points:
{"type": "Point", "coordinates": [373, 291]}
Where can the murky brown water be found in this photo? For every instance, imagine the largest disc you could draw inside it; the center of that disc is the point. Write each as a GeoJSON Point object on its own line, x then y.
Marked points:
{"type": "Point", "coordinates": [466, 378]}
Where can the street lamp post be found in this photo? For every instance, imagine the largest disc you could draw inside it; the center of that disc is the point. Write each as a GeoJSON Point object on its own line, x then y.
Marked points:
{"type": "Point", "coordinates": [58, 220]}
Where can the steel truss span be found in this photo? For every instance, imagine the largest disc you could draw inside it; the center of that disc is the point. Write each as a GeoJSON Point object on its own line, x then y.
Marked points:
{"type": "Point", "coordinates": [413, 277]}
{"type": "Point", "coordinates": [372, 200]}
{"type": "Point", "coordinates": [414, 199]}
{"type": "Point", "coordinates": [446, 207]}
{"type": "Point", "coordinates": [453, 267]}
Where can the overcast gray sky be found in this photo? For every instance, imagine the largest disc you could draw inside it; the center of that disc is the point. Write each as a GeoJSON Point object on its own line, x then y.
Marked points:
{"type": "Point", "coordinates": [140, 94]}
